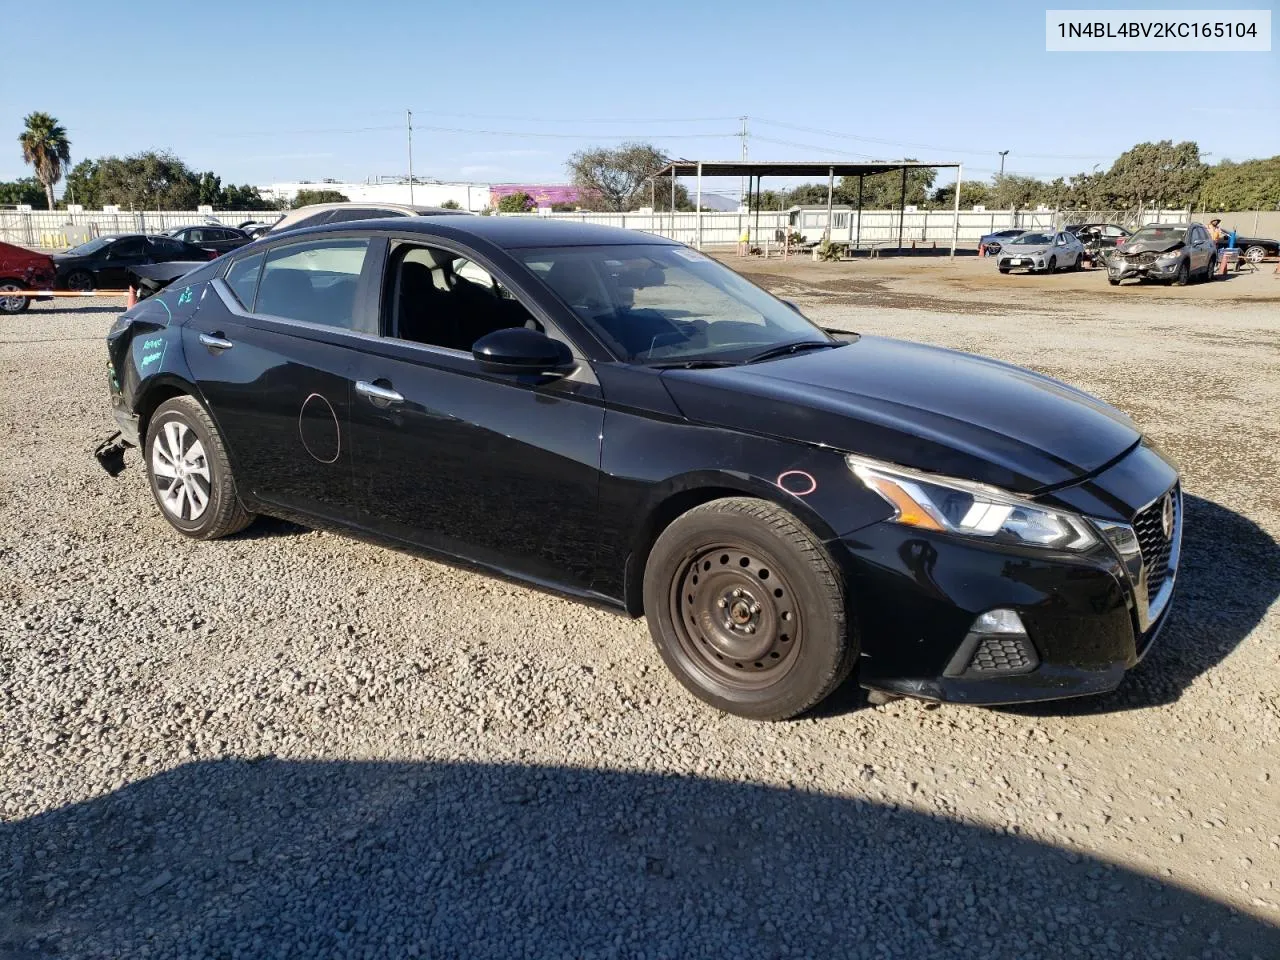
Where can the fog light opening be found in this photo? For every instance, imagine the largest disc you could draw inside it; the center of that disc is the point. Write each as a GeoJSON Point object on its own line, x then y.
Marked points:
{"type": "Point", "coordinates": [999, 621]}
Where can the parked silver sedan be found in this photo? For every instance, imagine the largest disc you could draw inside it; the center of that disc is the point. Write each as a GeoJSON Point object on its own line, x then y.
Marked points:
{"type": "Point", "coordinates": [1035, 251]}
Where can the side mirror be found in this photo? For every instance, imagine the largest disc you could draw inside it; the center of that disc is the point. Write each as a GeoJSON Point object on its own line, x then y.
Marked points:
{"type": "Point", "coordinates": [519, 350]}
{"type": "Point", "coordinates": [792, 305]}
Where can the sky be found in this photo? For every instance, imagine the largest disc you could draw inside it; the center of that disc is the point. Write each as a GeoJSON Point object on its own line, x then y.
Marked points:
{"type": "Point", "coordinates": [503, 91]}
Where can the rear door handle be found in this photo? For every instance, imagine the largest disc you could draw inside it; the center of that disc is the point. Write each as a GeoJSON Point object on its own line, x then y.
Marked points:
{"type": "Point", "coordinates": [215, 342]}
{"type": "Point", "coordinates": [375, 392]}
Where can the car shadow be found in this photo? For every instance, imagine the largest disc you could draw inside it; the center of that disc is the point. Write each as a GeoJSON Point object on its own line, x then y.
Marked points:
{"type": "Point", "coordinates": [267, 528]}
{"type": "Point", "coordinates": [1228, 577]}
{"type": "Point", "coordinates": [275, 858]}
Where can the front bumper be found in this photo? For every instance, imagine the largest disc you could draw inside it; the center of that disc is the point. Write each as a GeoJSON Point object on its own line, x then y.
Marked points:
{"type": "Point", "coordinates": [917, 595]}
{"type": "Point", "coordinates": [1022, 263]}
{"type": "Point", "coordinates": [1118, 269]}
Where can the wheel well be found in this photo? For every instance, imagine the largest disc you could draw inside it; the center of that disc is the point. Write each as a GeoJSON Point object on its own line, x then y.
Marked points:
{"type": "Point", "coordinates": [661, 518]}
{"type": "Point", "coordinates": [152, 399]}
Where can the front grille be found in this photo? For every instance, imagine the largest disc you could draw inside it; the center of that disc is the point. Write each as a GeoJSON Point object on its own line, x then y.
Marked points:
{"type": "Point", "coordinates": [997, 654]}
{"type": "Point", "coordinates": [1141, 259]}
{"type": "Point", "coordinates": [1155, 546]}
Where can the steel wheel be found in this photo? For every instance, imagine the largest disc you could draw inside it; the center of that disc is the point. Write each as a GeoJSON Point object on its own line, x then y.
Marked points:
{"type": "Point", "coordinates": [1255, 254]}
{"type": "Point", "coordinates": [12, 304]}
{"type": "Point", "coordinates": [80, 280]}
{"type": "Point", "coordinates": [736, 617]}
{"type": "Point", "coordinates": [181, 469]}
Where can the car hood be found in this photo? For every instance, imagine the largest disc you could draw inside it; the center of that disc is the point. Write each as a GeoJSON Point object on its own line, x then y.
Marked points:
{"type": "Point", "coordinates": [918, 406]}
{"type": "Point", "coordinates": [1024, 250]}
{"type": "Point", "coordinates": [1149, 246]}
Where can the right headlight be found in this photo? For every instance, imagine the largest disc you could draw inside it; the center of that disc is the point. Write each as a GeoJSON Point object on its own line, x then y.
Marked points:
{"type": "Point", "coordinates": [951, 505]}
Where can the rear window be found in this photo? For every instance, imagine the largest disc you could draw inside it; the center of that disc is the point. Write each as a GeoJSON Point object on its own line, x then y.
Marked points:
{"type": "Point", "coordinates": [313, 282]}
{"type": "Point", "coordinates": [242, 278]}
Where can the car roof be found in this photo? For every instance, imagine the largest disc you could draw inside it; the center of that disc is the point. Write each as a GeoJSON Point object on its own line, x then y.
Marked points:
{"type": "Point", "coordinates": [504, 232]}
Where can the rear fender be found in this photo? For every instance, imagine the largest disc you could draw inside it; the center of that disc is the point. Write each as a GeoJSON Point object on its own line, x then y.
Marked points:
{"type": "Point", "coordinates": [144, 347]}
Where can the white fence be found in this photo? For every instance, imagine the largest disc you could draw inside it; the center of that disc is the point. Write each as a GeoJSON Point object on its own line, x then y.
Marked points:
{"type": "Point", "coordinates": [44, 228]}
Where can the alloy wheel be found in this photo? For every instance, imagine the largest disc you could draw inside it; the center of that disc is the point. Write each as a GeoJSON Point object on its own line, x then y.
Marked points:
{"type": "Point", "coordinates": [736, 617]}
{"type": "Point", "coordinates": [1255, 254]}
{"type": "Point", "coordinates": [181, 471]}
{"type": "Point", "coordinates": [11, 304]}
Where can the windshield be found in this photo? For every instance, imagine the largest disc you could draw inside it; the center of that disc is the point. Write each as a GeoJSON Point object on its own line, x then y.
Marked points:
{"type": "Point", "coordinates": [92, 246]}
{"type": "Point", "coordinates": [1033, 238]}
{"type": "Point", "coordinates": [1158, 235]}
{"type": "Point", "coordinates": [659, 303]}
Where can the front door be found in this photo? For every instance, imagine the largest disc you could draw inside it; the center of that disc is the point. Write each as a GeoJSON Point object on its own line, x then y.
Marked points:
{"type": "Point", "coordinates": [476, 465]}
{"type": "Point", "coordinates": [122, 254]}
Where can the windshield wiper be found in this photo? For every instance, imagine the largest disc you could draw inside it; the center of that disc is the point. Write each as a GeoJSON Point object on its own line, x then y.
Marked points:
{"type": "Point", "coordinates": [784, 349]}
{"type": "Point", "coordinates": [692, 364]}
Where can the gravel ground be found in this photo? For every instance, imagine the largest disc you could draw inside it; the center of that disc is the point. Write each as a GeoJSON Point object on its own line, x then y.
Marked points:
{"type": "Point", "coordinates": [290, 743]}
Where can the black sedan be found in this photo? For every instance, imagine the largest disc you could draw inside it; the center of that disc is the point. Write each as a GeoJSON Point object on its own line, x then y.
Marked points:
{"type": "Point", "coordinates": [624, 420]}
{"type": "Point", "coordinates": [209, 237]}
{"type": "Point", "coordinates": [105, 262]}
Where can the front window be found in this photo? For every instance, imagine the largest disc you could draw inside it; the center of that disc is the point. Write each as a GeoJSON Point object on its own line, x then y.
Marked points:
{"type": "Point", "coordinates": [659, 303]}
{"type": "Point", "coordinates": [91, 246]}
{"type": "Point", "coordinates": [1158, 235]}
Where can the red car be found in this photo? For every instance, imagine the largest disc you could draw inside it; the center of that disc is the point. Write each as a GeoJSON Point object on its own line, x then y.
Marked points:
{"type": "Point", "coordinates": [22, 269]}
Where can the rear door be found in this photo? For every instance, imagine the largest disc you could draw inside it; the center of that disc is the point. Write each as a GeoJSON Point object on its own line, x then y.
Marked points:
{"type": "Point", "coordinates": [278, 360]}
{"type": "Point", "coordinates": [477, 465]}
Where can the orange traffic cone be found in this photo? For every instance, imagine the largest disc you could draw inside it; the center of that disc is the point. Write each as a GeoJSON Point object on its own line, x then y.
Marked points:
{"type": "Point", "coordinates": [133, 298]}
{"type": "Point", "coordinates": [982, 249]}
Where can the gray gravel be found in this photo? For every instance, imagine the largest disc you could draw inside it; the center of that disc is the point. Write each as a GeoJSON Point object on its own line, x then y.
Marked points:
{"type": "Point", "coordinates": [291, 743]}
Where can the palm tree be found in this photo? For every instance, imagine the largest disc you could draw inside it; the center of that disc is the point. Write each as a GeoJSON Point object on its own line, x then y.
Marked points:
{"type": "Point", "coordinates": [45, 146]}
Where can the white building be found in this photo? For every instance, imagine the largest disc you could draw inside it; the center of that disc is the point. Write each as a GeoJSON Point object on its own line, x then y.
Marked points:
{"type": "Point", "coordinates": [469, 196]}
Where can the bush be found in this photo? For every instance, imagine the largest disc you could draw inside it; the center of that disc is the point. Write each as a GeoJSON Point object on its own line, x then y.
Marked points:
{"type": "Point", "coordinates": [451, 205]}
{"type": "Point", "coordinates": [516, 203]}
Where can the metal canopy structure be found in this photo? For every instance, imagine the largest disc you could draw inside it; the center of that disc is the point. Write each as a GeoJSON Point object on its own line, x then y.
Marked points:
{"type": "Point", "coordinates": [807, 168]}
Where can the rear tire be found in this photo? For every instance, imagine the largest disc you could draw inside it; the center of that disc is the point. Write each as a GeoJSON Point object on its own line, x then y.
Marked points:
{"type": "Point", "coordinates": [1076, 263]}
{"type": "Point", "coordinates": [186, 463]}
{"type": "Point", "coordinates": [1255, 254]}
{"type": "Point", "coordinates": [748, 610]}
{"type": "Point", "coordinates": [79, 280]}
{"type": "Point", "coordinates": [13, 304]}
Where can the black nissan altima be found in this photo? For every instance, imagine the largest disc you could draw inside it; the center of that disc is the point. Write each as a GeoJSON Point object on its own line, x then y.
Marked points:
{"type": "Point", "coordinates": [624, 420]}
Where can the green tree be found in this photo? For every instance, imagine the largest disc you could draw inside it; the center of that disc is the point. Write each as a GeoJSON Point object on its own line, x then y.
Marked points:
{"type": "Point", "coordinates": [46, 148]}
{"type": "Point", "coordinates": [451, 205]}
{"type": "Point", "coordinates": [82, 185]}
{"type": "Point", "coordinates": [307, 197]}
{"type": "Point", "coordinates": [28, 190]}
{"type": "Point", "coordinates": [1164, 174]}
{"type": "Point", "coordinates": [243, 197]}
{"type": "Point", "coordinates": [1012, 191]}
{"type": "Point", "coordinates": [883, 191]}
{"type": "Point", "coordinates": [616, 178]}
{"type": "Point", "coordinates": [151, 180]}
{"type": "Point", "coordinates": [771, 200]}
{"type": "Point", "coordinates": [972, 193]}
{"type": "Point", "coordinates": [210, 189]}
{"type": "Point", "coordinates": [519, 202]}
{"type": "Point", "coordinates": [1251, 185]}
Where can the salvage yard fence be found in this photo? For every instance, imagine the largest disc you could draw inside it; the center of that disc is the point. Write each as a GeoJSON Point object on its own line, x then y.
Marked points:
{"type": "Point", "coordinates": [59, 229]}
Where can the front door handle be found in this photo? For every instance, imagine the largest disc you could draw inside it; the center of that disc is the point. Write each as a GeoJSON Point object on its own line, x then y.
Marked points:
{"type": "Point", "coordinates": [375, 392]}
{"type": "Point", "coordinates": [215, 342]}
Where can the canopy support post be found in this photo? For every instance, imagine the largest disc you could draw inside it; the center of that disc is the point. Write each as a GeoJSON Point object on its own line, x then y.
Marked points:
{"type": "Point", "coordinates": [698, 216]}
{"type": "Point", "coordinates": [902, 208]}
{"type": "Point", "coordinates": [955, 215]}
{"type": "Point", "coordinates": [831, 183]}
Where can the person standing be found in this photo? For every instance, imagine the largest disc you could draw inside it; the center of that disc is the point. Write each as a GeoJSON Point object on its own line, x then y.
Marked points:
{"type": "Point", "coordinates": [1216, 232]}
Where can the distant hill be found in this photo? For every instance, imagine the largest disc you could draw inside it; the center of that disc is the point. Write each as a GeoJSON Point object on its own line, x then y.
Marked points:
{"type": "Point", "coordinates": [714, 201]}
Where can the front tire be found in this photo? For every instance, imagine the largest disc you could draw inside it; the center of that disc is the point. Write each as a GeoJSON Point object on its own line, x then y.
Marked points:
{"type": "Point", "coordinates": [748, 610]}
{"type": "Point", "coordinates": [1052, 266]}
{"type": "Point", "coordinates": [1183, 275]}
{"type": "Point", "coordinates": [12, 304]}
{"type": "Point", "coordinates": [190, 475]}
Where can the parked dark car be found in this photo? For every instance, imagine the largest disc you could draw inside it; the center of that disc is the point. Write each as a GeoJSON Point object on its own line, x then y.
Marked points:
{"type": "Point", "coordinates": [621, 419]}
{"type": "Point", "coordinates": [1253, 249]}
{"type": "Point", "coordinates": [209, 237]}
{"type": "Point", "coordinates": [992, 241]}
{"type": "Point", "coordinates": [1177, 253]}
{"type": "Point", "coordinates": [104, 262]}
{"type": "Point", "coordinates": [22, 269]}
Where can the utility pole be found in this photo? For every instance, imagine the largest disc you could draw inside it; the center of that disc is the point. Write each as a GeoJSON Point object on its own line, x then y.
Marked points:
{"type": "Point", "coordinates": [408, 121]}
{"type": "Point", "coordinates": [742, 187]}
{"type": "Point", "coordinates": [1002, 154]}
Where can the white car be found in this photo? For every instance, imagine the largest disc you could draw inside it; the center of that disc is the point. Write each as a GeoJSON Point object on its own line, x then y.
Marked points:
{"type": "Point", "coordinates": [1035, 251]}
